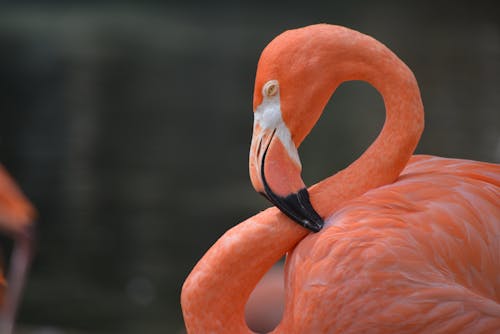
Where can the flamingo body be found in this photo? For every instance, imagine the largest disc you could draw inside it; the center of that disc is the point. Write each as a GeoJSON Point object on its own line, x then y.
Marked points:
{"type": "Point", "coordinates": [406, 244]}
{"type": "Point", "coordinates": [421, 255]}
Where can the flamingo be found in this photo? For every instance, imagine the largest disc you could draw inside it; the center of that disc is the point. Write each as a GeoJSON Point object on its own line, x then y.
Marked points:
{"type": "Point", "coordinates": [264, 307]}
{"type": "Point", "coordinates": [16, 221]}
{"type": "Point", "coordinates": [394, 243]}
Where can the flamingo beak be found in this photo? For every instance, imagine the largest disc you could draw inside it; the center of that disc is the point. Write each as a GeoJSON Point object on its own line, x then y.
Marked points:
{"type": "Point", "coordinates": [275, 173]}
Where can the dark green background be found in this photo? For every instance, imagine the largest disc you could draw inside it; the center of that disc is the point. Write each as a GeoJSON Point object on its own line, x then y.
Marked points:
{"type": "Point", "coordinates": [128, 125]}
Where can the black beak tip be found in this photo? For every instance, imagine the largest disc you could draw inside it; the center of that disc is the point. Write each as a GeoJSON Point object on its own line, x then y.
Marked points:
{"type": "Point", "coordinates": [298, 207]}
{"type": "Point", "coordinates": [314, 226]}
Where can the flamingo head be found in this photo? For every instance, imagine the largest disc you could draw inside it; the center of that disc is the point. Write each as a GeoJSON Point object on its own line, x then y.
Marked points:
{"type": "Point", "coordinates": [291, 89]}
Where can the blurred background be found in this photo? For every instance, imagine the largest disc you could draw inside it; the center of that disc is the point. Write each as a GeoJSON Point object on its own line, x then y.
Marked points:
{"type": "Point", "coordinates": [128, 125]}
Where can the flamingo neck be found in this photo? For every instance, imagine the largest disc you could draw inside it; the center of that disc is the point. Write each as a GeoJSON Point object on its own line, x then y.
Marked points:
{"type": "Point", "coordinates": [214, 295]}
{"type": "Point", "coordinates": [386, 157]}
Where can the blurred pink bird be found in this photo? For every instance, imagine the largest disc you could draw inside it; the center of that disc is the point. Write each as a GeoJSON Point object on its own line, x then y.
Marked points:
{"type": "Point", "coordinates": [16, 221]}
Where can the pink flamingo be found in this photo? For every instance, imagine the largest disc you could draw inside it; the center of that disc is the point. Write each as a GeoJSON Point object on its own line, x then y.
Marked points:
{"type": "Point", "coordinates": [16, 221]}
{"type": "Point", "coordinates": [404, 244]}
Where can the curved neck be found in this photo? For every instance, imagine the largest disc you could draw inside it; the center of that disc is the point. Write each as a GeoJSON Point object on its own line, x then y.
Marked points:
{"type": "Point", "coordinates": [214, 295]}
{"type": "Point", "coordinates": [386, 157]}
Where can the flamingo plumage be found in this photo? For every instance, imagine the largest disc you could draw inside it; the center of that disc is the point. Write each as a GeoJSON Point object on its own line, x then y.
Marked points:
{"type": "Point", "coordinates": [404, 244]}
{"type": "Point", "coordinates": [16, 221]}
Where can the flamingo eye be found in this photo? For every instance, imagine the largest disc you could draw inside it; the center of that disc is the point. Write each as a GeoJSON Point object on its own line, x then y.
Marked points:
{"type": "Point", "coordinates": [268, 113]}
{"type": "Point", "coordinates": [271, 88]}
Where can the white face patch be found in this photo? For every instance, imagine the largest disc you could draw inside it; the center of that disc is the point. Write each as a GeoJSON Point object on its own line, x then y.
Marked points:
{"type": "Point", "coordinates": [268, 117]}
